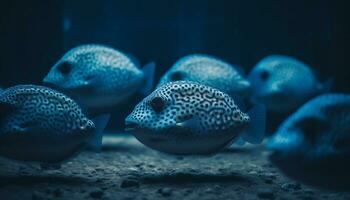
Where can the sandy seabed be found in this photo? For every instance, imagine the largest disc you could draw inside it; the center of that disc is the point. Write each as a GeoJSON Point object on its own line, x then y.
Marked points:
{"type": "Point", "coordinates": [126, 169]}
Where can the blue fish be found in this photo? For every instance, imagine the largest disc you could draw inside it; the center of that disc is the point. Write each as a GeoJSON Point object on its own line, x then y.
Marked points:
{"type": "Point", "coordinates": [314, 142]}
{"type": "Point", "coordinates": [210, 71]}
{"type": "Point", "coordinates": [284, 83]}
{"type": "Point", "coordinates": [99, 77]}
{"type": "Point", "coordinates": [39, 124]}
{"type": "Point", "coordinates": [184, 117]}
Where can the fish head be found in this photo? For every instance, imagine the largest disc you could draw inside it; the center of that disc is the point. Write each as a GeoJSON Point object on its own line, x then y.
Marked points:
{"type": "Point", "coordinates": [282, 83]}
{"type": "Point", "coordinates": [77, 71]}
{"type": "Point", "coordinates": [303, 141]}
{"type": "Point", "coordinates": [314, 140]}
{"type": "Point", "coordinates": [95, 75]}
{"type": "Point", "coordinates": [159, 110]}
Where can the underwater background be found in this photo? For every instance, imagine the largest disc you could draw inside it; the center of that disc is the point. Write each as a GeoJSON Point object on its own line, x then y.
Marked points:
{"type": "Point", "coordinates": [35, 34]}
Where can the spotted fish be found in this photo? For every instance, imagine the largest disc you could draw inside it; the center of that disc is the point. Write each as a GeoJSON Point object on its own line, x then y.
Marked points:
{"type": "Point", "coordinates": [210, 71]}
{"type": "Point", "coordinates": [41, 125]}
{"type": "Point", "coordinates": [284, 83]}
{"type": "Point", "coordinates": [99, 77]}
{"type": "Point", "coordinates": [184, 117]}
{"type": "Point", "coordinates": [315, 140]}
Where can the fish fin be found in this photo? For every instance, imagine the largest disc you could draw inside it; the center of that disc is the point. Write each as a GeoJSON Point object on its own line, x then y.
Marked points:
{"type": "Point", "coordinates": [276, 92]}
{"type": "Point", "coordinates": [255, 132]}
{"type": "Point", "coordinates": [235, 141]}
{"type": "Point", "coordinates": [149, 73]}
{"type": "Point", "coordinates": [192, 123]}
{"type": "Point", "coordinates": [85, 88]}
{"type": "Point", "coordinates": [276, 89]}
{"type": "Point", "coordinates": [100, 122]}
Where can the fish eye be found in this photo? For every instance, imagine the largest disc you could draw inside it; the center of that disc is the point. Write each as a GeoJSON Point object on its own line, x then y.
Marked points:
{"type": "Point", "coordinates": [176, 76]}
{"type": "Point", "coordinates": [264, 75]}
{"type": "Point", "coordinates": [157, 104]}
{"type": "Point", "coordinates": [65, 67]}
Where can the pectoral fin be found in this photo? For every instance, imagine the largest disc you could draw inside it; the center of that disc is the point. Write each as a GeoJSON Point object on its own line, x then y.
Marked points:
{"type": "Point", "coordinates": [100, 122]}
{"type": "Point", "coordinates": [191, 123]}
{"type": "Point", "coordinates": [84, 88]}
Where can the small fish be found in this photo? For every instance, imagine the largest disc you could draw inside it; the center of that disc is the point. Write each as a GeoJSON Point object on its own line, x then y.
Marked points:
{"type": "Point", "coordinates": [314, 142]}
{"type": "Point", "coordinates": [284, 83]}
{"type": "Point", "coordinates": [99, 77]}
{"type": "Point", "coordinates": [208, 70]}
{"type": "Point", "coordinates": [39, 124]}
{"type": "Point", "coordinates": [184, 117]}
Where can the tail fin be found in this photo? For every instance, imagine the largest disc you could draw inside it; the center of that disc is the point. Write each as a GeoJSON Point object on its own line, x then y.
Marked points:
{"type": "Point", "coordinates": [100, 122]}
{"type": "Point", "coordinates": [256, 130]}
{"type": "Point", "coordinates": [149, 74]}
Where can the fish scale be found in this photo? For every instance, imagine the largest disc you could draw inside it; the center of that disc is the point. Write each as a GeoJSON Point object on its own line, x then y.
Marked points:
{"type": "Point", "coordinates": [284, 83]}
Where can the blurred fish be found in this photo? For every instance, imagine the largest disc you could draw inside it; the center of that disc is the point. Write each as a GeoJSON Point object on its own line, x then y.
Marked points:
{"type": "Point", "coordinates": [185, 117]}
{"type": "Point", "coordinates": [41, 125]}
{"type": "Point", "coordinates": [210, 71]}
{"type": "Point", "coordinates": [313, 144]}
{"type": "Point", "coordinates": [283, 83]}
{"type": "Point", "coordinates": [99, 77]}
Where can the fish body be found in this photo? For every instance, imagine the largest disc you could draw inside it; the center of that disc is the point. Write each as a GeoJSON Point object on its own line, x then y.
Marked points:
{"type": "Point", "coordinates": [184, 117]}
{"type": "Point", "coordinates": [208, 70]}
{"type": "Point", "coordinates": [38, 124]}
{"type": "Point", "coordinates": [283, 83]}
{"type": "Point", "coordinates": [99, 77]}
{"type": "Point", "coordinates": [315, 140]}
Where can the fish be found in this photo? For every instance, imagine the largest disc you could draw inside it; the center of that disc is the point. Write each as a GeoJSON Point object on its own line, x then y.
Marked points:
{"type": "Point", "coordinates": [313, 144]}
{"type": "Point", "coordinates": [188, 118]}
{"type": "Point", "coordinates": [99, 77]}
{"type": "Point", "coordinates": [211, 71]}
{"type": "Point", "coordinates": [39, 124]}
{"type": "Point", "coordinates": [284, 83]}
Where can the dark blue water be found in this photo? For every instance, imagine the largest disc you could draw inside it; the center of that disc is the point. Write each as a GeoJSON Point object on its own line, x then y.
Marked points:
{"type": "Point", "coordinates": [33, 35]}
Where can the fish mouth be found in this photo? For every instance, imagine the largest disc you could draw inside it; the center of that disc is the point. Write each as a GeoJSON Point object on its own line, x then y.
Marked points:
{"type": "Point", "coordinates": [131, 126]}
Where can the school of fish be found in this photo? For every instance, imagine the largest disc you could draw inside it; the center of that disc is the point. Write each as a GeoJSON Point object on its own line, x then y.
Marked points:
{"type": "Point", "coordinates": [201, 105]}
